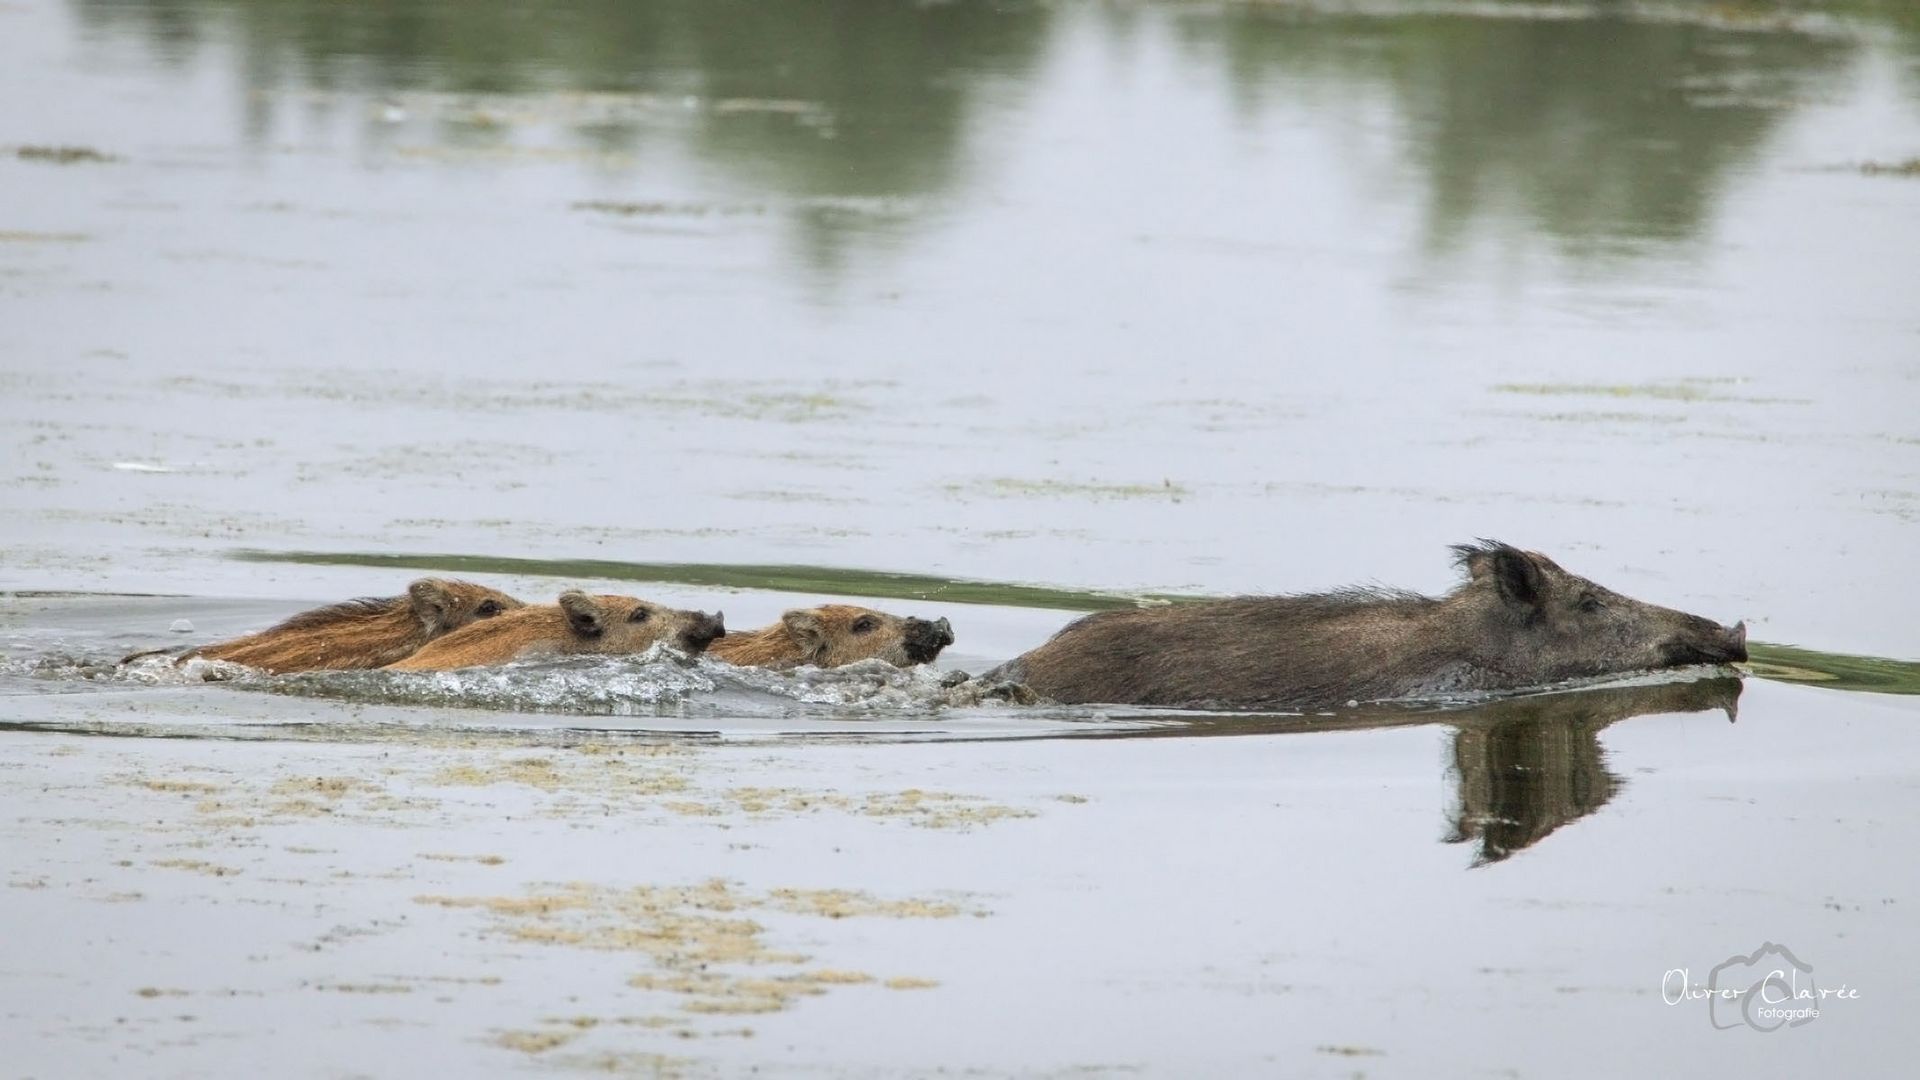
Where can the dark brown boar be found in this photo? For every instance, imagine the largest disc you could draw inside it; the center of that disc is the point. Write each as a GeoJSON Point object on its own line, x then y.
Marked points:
{"type": "Point", "coordinates": [835, 634]}
{"type": "Point", "coordinates": [1519, 620]}
{"type": "Point", "coordinates": [367, 633]}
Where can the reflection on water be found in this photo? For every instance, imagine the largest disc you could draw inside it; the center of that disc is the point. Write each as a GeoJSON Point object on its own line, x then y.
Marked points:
{"type": "Point", "coordinates": [1522, 767]}
{"type": "Point", "coordinates": [852, 110]}
{"type": "Point", "coordinates": [1591, 130]}
{"type": "Point", "coordinates": [1527, 766]}
{"type": "Point", "coordinates": [1601, 128]}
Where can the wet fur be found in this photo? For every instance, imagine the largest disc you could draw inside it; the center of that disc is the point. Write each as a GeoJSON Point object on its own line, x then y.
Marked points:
{"type": "Point", "coordinates": [768, 647]}
{"type": "Point", "coordinates": [560, 629]}
{"type": "Point", "coordinates": [366, 633]}
{"type": "Point", "coordinates": [822, 637]}
{"type": "Point", "coordinates": [541, 628]}
{"type": "Point", "coordinates": [1511, 624]}
{"type": "Point", "coordinates": [1350, 645]}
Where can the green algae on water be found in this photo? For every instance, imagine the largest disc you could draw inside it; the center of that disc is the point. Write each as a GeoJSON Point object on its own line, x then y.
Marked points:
{"type": "Point", "coordinates": [64, 155]}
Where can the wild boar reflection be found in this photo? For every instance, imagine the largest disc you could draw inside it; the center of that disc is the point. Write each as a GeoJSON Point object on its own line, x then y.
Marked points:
{"type": "Point", "coordinates": [1527, 766]}
{"type": "Point", "coordinates": [1522, 766]}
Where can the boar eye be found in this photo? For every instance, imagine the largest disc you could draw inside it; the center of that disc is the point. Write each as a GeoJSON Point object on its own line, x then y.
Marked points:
{"type": "Point", "coordinates": [488, 609]}
{"type": "Point", "coordinates": [1590, 603]}
{"type": "Point", "coordinates": [639, 615]}
{"type": "Point", "coordinates": [865, 624]}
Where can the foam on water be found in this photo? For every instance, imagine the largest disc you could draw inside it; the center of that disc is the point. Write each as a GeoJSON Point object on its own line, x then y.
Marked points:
{"type": "Point", "coordinates": [659, 682]}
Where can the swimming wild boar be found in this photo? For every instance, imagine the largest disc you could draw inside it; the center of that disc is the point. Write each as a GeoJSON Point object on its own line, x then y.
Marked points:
{"type": "Point", "coordinates": [579, 624]}
{"type": "Point", "coordinates": [836, 634]}
{"type": "Point", "coordinates": [1518, 620]}
{"type": "Point", "coordinates": [367, 633]}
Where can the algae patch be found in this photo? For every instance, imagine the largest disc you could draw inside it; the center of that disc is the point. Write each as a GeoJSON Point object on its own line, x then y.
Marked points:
{"type": "Point", "coordinates": [593, 775]}
{"type": "Point", "coordinates": [660, 208]}
{"type": "Point", "coordinates": [704, 942]}
{"type": "Point", "coordinates": [1007, 487]}
{"type": "Point", "coordinates": [531, 772]}
{"type": "Point", "coordinates": [64, 155]}
{"type": "Point", "coordinates": [849, 903]}
{"type": "Point", "coordinates": [1909, 168]}
{"type": "Point", "coordinates": [535, 1042]}
{"type": "Point", "coordinates": [922, 809]}
{"type": "Point", "coordinates": [181, 787]}
{"type": "Point", "coordinates": [1677, 390]}
{"type": "Point", "coordinates": [197, 866]}
{"type": "Point", "coordinates": [324, 787]}
{"type": "Point", "coordinates": [22, 236]}
{"type": "Point", "coordinates": [597, 775]}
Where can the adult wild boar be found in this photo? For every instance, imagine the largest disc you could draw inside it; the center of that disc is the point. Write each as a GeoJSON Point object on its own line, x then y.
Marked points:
{"type": "Point", "coordinates": [579, 624]}
{"type": "Point", "coordinates": [365, 633]}
{"type": "Point", "coordinates": [1518, 620]}
{"type": "Point", "coordinates": [835, 634]}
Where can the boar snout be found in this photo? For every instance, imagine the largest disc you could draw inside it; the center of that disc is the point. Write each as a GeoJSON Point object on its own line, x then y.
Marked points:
{"type": "Point", "coordinates": [1707, 642]}
{"type": "Point", "coordinates": [703, 630]}
{"type": "Point", "coordinates": [924, 639]}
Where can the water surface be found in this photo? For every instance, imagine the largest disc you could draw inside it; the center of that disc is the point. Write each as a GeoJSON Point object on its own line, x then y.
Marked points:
{"type": "Point", "coordinates": [998, 312]}
{"type": "Point", "coordinates": [1146, 298]}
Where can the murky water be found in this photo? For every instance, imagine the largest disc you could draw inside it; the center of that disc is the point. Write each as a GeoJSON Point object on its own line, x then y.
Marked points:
{"type": "Point", "coordinates": [991, 312]}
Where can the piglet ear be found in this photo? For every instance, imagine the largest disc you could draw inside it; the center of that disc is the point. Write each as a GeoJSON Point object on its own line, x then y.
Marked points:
{"type": "Point", "coordinates": [584, 614]}
{"type": "Point", "coordinates": [431, 602]}
{"type": "Point", "coordinates": [806, 629]}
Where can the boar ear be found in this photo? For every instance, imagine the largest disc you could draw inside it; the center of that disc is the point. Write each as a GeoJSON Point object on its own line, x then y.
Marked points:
{"type": "Point", "coordinates": [584, 614]}
{"type": "Point", "coordinates": [1519, 577]}
{"type": "Point", "coordinates": [806, 629]}
{"type": "Point", "coordinates": [1515, 573]}
{"type": "Point", "coordinates": [430, 601]}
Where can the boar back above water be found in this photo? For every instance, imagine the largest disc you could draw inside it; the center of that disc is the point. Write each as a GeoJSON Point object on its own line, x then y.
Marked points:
{"type": "Point", "coordinates": [1519, 620]}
